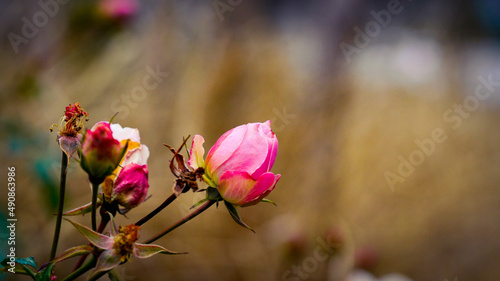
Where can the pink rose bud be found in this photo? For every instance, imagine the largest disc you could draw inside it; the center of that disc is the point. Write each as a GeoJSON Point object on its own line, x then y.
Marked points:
{"type": "Point", "coordinates": [239, 163]}
{"type": "Point", "coordinates": [101, 152]}
{"type": "Point", "coordinates": [131, 186]}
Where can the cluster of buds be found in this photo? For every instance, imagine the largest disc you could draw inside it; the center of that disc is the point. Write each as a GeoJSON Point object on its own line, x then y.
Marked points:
{"type": "Point", "coordinates": [236, 171]}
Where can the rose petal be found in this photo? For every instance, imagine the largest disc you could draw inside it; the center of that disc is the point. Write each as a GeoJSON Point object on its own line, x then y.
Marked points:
{"type": "Point", "coordinates": [249, 155]}
{"type": "Point", "coordinates": [251, 199]}
{"type": "Point", "coordinates": [120, 133]}
{"type": "Point", "coordinates": [138, 155]}
{"type": "Point", "coordinates": [197, 152]}
{"type": "Point", "coordinates": [224, 147]}
{"type": "Point", "coordinates": [272, 149]}
{"type": "Point", "coordinates": [240, 188]}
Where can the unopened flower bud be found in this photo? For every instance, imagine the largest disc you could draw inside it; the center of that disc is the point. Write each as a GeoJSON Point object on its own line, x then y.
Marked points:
{"type": "Point", "coordinates": [131, 186]}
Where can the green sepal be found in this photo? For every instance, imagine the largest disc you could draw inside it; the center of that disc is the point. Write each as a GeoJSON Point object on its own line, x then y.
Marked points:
{"type": "Point", "coordinates": [114, 276]}
{"type": "Point", "coordinates": [113, 117]}
{"type": "Point", "coordinates": [82, 210]}
{"type": "Point", "coordinates": [73, 252]}
{"type": "Point", "coordinates": [213, 194]}
{"type": "Point", "coordinates": [268, 201]}
{"type": "Point", "coordinates": [97, 239]}
{"type": "Point", "coordinates": [143, 251]}
{"type": "Point", "coordinates": [199, 203]}
{"type": "Point", "coordinates": [106, 262]}
{"type": "Point", "coordinates": [236, 217]}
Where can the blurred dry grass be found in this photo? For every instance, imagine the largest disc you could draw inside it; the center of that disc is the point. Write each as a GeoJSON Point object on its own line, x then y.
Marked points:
{"type": "Point", "coordinates": [347, 130]}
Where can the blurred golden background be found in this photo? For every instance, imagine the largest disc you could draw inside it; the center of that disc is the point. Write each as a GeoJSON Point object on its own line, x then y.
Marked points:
{"type": "Point", "coordinates": [385, 111]}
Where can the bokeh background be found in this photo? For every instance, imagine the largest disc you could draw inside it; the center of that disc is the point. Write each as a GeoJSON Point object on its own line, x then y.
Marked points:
{"type": "Point", "coordinates": [351, 87]}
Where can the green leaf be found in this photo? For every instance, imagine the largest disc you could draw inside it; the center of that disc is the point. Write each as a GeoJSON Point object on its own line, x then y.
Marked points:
{"type": "Point", "coordinates": [236, 217]}
{"type": "Point", "coordinates": [20, 265]}
{"type": "Point", "coordinates": [143, 251]}
{"type": "Point", "coordinates": [268, 201]}
{"type": "Point", "coordinates": [97, 239]}
{"type": "Point", "coordinates": [27, 261]}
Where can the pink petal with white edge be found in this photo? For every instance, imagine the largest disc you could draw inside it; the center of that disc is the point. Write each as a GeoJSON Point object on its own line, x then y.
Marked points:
{"type": "Point", "coordinates": [107, 261]}
{"type": "Point", "coordinates": [250, 154]}
{"type": "Point", "coordinates": [197, 152]}
{"type": "Point", "coordinates": [120, 133]}
{"type": "Point", "coordinates": [97, 239]}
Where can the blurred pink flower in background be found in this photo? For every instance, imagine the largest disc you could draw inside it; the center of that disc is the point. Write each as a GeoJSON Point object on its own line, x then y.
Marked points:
{"type": "Point", "coordinates": [119, 9]}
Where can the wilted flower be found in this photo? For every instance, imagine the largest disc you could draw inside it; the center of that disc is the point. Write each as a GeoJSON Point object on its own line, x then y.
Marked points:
{"type": "Point", "coordinates": [118, 248]}
{"type": "Point", "coordinates": [101, 152]}
{"type": "Point", "coordinates": [70, 126]}
{"type": "Point", "coordinates": [239, 163]}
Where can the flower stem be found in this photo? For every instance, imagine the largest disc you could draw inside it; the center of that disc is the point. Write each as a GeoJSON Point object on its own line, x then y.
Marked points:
{"type": "Point", "coordinates": [95, 190]}
{"type": "Point", "coordinates": [62, 189]}
{"type": "Point", "coordinates": [196, 212]}
{"type": "Point", "coordinates": [75, 274]}
{"type": "Point", "coordinates": [157, 210]}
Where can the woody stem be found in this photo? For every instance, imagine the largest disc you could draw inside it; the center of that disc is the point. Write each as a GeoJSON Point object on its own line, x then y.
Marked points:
{"type": "Point", "coordinates": [165, 203]}
{"type": "Point", "coordinates": [196, 212]}
{"type": "Point", "coordinates": [62, 189]}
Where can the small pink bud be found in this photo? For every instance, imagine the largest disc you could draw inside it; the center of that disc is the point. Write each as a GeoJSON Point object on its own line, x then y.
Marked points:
{"type": "Point", "coordinates": [101, 153]}
{"type": "Point", "coordinates": [131, 186]}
